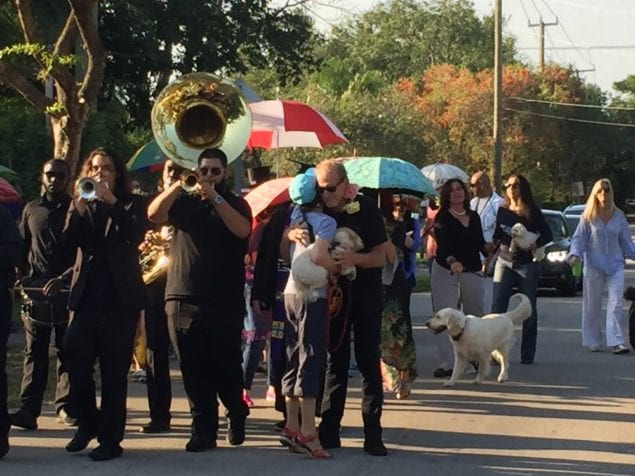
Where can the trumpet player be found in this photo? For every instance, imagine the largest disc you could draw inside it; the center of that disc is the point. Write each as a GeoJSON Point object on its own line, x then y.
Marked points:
{"type": "Point", "coordinates": [204, 295]}
{"type": "Point", "coordinates": [106, 296]}
{"type": "Point", "coordinates": [158, 382]}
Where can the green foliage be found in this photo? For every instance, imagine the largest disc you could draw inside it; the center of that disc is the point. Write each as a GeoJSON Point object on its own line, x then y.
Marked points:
{"type": "Point", "coordinates": [24, 143]}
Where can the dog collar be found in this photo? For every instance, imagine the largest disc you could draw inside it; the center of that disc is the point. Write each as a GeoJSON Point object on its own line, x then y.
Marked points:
{"type": "Point", "coordinates": [460, 334]}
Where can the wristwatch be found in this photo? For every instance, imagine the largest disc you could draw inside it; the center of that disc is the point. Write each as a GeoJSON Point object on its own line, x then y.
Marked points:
{"type": "Point", "coordinates": [218, 199]}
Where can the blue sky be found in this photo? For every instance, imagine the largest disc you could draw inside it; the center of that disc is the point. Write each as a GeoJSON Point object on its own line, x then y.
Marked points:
{"type": "Point", "coordinates": [583, 23]}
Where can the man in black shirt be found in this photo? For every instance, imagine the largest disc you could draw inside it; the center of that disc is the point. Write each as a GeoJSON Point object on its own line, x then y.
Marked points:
{"type": "Point", "coordinates": [363, 311]}
{"type": "Point", "coordinates": [158, 339]}
{"type": "Point", "coordinates": [204, 295]}
{"type": "Point", "coordinates": [10, 257]}
{"type": "Point", "coordinates": [47, 269]}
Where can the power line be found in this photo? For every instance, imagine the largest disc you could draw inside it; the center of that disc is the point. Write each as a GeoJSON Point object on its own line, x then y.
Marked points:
{"type": "Point", "coordinates": [569, 104]}
{"type": "Point", "coordinates": [574, 47]}
{"type": "Point", "coordinates": [570, 119]}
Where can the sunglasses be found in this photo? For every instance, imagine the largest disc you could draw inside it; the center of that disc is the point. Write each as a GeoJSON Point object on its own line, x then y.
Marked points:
{"type": "Point", "coordinates": [330, 189]}
{"type": "Point", "coordinates": [210, 170]}
{"type": "Point", "coordinates": [58, 175]}
{"type": "Point", "coordinates": [511, 185]}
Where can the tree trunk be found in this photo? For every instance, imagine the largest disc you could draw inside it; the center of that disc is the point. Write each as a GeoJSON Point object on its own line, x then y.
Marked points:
{"type": "Point", "coordinates": [67, 137]}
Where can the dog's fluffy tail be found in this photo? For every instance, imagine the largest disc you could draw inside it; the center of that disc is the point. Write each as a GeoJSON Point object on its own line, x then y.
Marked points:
{"type": "Point", "coordinates": [522, 311]}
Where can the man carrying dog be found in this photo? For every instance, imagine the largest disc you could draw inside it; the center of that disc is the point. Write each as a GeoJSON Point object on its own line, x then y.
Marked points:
{"type": "Point", "coordinates": [361, 310]}
{"type": "Point", "coordinates": [204, 295]}
{"type": "Point", "coordinates": [48, 270]}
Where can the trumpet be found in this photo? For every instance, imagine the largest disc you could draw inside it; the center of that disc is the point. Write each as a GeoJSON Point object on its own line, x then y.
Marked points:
{"type": "Point", "coordinates": [189, 181]}
{"type": "Point", "coordinates": [86, 188]}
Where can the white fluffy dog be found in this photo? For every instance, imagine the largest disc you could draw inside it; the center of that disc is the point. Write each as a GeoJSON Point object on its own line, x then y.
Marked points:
{"type": "Point", "coordinates": [308, 277]}
{"type": "Point", "coordinates": [523, 238]}
{"type": "Point", "coordinates": [479, 339]}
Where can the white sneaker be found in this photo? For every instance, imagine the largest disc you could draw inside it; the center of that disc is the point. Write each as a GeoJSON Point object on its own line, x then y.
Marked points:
{"type": "Point", "coordinates": [620, 349]}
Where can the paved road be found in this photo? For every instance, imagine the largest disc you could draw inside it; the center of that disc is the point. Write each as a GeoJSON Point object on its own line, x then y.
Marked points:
{"type": "Point", "coordinates": [571, 413]}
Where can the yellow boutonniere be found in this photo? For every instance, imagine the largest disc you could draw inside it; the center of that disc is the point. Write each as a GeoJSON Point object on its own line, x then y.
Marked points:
{"type": "Point", "coordinates": [352, 207]}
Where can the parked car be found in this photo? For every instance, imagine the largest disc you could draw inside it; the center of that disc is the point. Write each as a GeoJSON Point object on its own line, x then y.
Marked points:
{"type": "Point", "coordinates": [572, 214]}
{"type": "Point", "coordinates": [555, 271]}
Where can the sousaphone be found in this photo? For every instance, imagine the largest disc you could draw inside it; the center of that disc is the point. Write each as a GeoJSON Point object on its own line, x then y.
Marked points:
{"type": "Point", "coordinates": [199, 111]}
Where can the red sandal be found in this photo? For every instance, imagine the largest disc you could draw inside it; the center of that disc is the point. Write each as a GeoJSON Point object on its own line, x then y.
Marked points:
{"type": "Point", "coordinates": [315, 453]}
{"type": "Point", "coordinates": [289, 438]}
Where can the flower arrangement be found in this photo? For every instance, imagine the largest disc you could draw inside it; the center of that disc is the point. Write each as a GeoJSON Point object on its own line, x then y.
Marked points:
{"type": "Point", "coordinates": [350, 193]}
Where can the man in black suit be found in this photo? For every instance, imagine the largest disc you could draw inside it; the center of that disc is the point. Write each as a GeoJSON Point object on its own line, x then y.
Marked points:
{"type": "Point", "coordinates": [106, 297]}
{"type": "Point", "coordinates": [46, 273]}
{"type": "Point", "coordinates": [204, 295]}
{"type": "Point", "coordinates": [10, 257]}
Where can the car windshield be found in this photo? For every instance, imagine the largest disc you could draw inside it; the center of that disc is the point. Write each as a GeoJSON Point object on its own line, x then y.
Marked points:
{"type": "Point", "coordinates": [573, 221]}
{"type": "Point", "coordinates": [558, 227]}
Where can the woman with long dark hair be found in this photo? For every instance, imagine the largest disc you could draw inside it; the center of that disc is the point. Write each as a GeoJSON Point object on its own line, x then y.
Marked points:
{"type": "Point", "coordinates": [456, 272]}
{"type": "Point", "coordinates": [107, 294]}
{"type": "Point", "coordinates": [519, 270]}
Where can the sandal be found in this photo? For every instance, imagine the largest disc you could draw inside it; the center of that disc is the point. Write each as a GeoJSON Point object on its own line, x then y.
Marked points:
{"type": "Point", "coordinates": [289, 438]}
{"type": "Point", "coordinates": [315, 453]}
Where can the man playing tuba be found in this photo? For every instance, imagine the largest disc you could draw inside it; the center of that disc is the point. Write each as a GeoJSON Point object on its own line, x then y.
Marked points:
{"type": "Point", "coordinates": [204, 295]}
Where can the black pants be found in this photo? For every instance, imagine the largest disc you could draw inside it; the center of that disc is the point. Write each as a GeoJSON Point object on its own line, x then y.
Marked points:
{"type": "Point", "coordinates": [5, 326]}
{"type": "Point", "coordinates": [107, 335]}
{"type": "Point", "coordinates": [364, 315]}
{"type": "Point", "coordinates": [36, 359]}
{"type": "Point", "coordinates": [158, 341]}
{"type": "Point", "coordinates": [208, 342]}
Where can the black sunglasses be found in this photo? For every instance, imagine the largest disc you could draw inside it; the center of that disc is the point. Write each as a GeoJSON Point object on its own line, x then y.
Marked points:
{"type": "Point", "coordinates": [211, 170]}
{"type": "Point", "coordinates": [330, 189]}
{"type": "Point", "coordinates": [59, 175]}
{"type": "Point", "coordinates": [511, 185]}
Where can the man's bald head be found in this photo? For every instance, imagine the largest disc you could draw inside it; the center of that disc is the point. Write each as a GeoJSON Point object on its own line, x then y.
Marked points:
{"type": "Point", "coordinates": [481, 185]}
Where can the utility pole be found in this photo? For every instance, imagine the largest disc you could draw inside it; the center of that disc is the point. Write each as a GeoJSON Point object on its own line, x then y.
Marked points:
{"type": "Point", "coordinates": [541, 53]}
{"type": "Point", "coordinates": [498, 94]}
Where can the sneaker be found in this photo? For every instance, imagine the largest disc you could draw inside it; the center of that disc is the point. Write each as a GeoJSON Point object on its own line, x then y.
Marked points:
{"type": "Point", "coordinates": [620, 349]}
{"type": "Point", "coordinates": [441, 372]}
{"type": "Point", "coordinates": [105, 451]}
{"type": "Point", "coordinates": [139, 376]}
{"type": "Point", "coordinates": [247, 399]}
{"type": "Point", "coordinates": [23, 419]}
{"type": "Point", "coordinates": [65, 419]}
{"type": "Point", "coordinates": [270, 396]}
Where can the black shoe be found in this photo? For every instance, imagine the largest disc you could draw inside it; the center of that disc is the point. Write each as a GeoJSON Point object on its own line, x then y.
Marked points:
{"type": "Point", "coordinates": [4, 446]}
{"type": "Point", "coordinates": [105, 451]}
{"type": "Point", "coordinates": [200, 443]}
{"type": "Point", "coordinates": [330, 441]}
{"type": "Point", "coordinates": [279, 426]}
{"type": "Point", "coordinates": [441, 372]}
{"type": "Point", "coordinates": [79, 442]}
{"type": "Point", "coordinates": [235, 431]}
{"type": "Point", "coordinates": [65, 419]}
{"type": "Point", "coordinates": [23, 419]}
{"type": "Point", "coordinates": [155, 427]}
{"type": "Point", "coordinates": [375, 448]}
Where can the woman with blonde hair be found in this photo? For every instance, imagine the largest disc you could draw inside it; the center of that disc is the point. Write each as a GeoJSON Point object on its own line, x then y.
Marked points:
{"type": "Point", "coordinates": [603, 240]}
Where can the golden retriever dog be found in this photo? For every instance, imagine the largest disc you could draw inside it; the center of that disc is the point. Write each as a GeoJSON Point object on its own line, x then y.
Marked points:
{"type": "Point", "coordinates": [523, 238]}
{"type": "Point", "coordinates": [308, 277]}
{"type": "Point", "coordinates": [480, 339]}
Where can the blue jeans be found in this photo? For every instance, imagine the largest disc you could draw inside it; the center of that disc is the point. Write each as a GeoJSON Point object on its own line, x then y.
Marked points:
{"type": "Point", "coordinates": [524, 277]}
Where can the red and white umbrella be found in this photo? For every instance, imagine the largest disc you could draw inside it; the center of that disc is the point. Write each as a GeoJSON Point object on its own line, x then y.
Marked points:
{"type": "Point", "coordinates": [291, 124]}
{"type": "Point", "coordinates": [267, 194]}
{"type": "Point", "coordinates": [8, 194]}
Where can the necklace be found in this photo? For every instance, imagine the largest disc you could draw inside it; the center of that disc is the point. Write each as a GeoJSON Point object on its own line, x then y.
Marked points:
{"type": "Point", "coordinates": [460, 214]}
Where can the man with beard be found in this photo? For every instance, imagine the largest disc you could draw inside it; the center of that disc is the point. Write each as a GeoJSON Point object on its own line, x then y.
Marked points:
{"type": "Point", "coordinates": [47, 271]}
{"type": "Point", "coordinates": [158, 339]}
{"type": "Point", "coordinates": [204, 295]}
{"type": "Point", "coordinates": [10, 257]}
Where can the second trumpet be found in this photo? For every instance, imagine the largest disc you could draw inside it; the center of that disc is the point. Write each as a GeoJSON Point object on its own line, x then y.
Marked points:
{"type": "Point", "coordinates": [189, 181]}
{"type": "Point", "coordinates": [86, 188]}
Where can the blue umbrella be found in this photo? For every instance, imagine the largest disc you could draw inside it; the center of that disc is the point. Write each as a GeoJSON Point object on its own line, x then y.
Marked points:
{"type": "Point", "coordinates": [387, 173]}
{"type": "Point", "coordinates": [148, 158]}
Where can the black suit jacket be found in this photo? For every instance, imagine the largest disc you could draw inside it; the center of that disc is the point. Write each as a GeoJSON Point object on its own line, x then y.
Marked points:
{"type": "Point", "coordinates": [124, 230]}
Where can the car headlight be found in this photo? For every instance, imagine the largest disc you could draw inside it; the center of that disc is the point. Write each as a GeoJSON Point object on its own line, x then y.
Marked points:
{"type": "Point", "coordinates": [557, 256]}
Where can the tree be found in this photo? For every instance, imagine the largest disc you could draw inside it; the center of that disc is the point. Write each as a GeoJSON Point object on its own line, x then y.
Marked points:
{"type": "Point", "coordinates": [34, 60]}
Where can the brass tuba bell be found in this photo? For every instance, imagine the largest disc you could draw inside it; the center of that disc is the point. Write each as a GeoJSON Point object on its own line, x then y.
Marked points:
{"type": "Point", "coordinates": [199, 111]}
